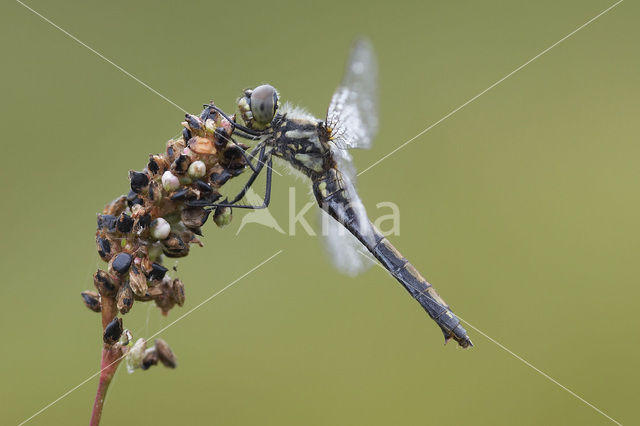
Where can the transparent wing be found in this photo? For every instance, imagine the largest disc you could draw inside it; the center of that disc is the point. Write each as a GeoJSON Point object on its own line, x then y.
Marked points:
{"type": "Point", "coordinates": [353, 112]}
{"type": "Point", "coordinates": [346, 252]}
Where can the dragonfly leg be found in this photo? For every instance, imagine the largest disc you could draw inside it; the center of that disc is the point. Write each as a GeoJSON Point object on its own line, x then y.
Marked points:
{"type": "Point", "coordinates": [267, 195]}
{"type": "Point", "coordinates": [261, 163]}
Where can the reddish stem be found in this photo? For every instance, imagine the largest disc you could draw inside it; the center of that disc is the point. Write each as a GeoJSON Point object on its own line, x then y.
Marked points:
{"type": "Point", "coordinates": [111, 357]}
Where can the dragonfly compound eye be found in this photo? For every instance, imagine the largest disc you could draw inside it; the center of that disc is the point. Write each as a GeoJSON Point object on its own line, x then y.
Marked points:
{"type": "Point", "coordinates": [263, 103]}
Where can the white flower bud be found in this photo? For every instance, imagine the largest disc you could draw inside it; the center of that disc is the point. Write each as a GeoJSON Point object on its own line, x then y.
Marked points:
{"type": "Point", "coordinates": [197, 169]}
{"type": "Point", "coordinates": [170, 182]}
{"type": "Point", "coordinates": [160, 229]}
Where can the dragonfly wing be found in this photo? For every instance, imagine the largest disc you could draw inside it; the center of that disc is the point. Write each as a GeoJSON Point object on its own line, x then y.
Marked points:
{"type": "Point", "coordinates": [353, 112]}
{"type": "Point", "coordinates": [345, 250]}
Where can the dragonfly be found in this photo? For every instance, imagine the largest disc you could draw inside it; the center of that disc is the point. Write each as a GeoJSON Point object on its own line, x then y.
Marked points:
{"type": "Point", "coordinates": [319, 150]}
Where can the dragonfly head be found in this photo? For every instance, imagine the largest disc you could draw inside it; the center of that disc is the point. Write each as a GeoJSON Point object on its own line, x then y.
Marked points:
{"type": "Point", "coordinates": [258, 106]}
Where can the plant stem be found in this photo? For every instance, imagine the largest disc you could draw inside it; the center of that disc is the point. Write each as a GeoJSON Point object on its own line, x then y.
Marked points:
{"type": "Point", "coordinates": [110, 360]}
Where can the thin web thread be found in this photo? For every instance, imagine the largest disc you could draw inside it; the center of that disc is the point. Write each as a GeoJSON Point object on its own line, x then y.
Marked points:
{"type": "Point", "coordinates": [509, 351]}
{"type": "Point", "coordinates": [64, 395]}
{"type": "Point", "coordinates": [491, 87]}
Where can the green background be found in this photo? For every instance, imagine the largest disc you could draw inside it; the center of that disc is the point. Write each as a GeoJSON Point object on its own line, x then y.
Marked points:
{"type": "Point", "coordinates": [522, 209]}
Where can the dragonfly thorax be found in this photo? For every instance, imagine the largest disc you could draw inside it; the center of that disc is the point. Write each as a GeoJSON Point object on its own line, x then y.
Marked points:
{"type": "Point", "coordinates": [302, 142]}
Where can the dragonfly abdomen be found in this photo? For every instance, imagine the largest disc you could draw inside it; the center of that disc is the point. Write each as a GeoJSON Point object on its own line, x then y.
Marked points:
{"type": "Point", "coordinates": [403, 271]}
{"type": "Point", "coordinates": [337, 197]}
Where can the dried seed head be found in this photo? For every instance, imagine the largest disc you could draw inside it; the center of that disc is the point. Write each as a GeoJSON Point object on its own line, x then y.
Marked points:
{"type": "Point", "coordinates": [222, 216]}
{"type": "Point", "coordinates": [174, 246]}
{"type": "Point", "coordinates": [121, 263]}
{"type": "Point", "coordinates": [194, 217]}
{"type": "Point", "coordinates": [104, 248]}
{"type": "Point", "coordinates": [150, 358]}
{"type": "Point", "coordinates": [160, 229]}
{"type": "Point", "coordinates": [155, 191]}
{"type": "Point", "coordinates": [178, 292]}
{"type": "Point", "coordinates": [164, 354]}
{"type": "Point", "coordinates": [137, 281]}
{"type": "Point", "coordinates": [139, 181]}
{"type": "Point", "coordinates": [203, 186]}
{"type": "Point", "coordinates": [107, 222]}
{"type": "Point", "coordinates": [124, 223]}
{"type": "Point", "coordinates": [181, 164]}
{"type": "Point", "coordinates": [170, 182]}
{"type": "Point", "coordinates": [194, 123]}
{"type": "Point", "coordinates": [124, 298]}
{"type": "Point", "coordinates": [157, 272]}
{"type": "Point", "coordinates": [202, 146]}
{"type": "Point", "coordinates": [91, 300]}
{"type": "Point", "coordinates": [112, 331]}
{"type": "Point", "coordinates": [106, 286]}
{"type": "Point", "coordinates": [197, 169]}
{"type": "Point", "coordinates": [164, 298]}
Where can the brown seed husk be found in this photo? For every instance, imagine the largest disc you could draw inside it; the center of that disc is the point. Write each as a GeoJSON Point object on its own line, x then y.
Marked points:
{"type": "Point", "coordinates": [178, 292]}
{"type": "Point", "coordinates": [165, 355]}
{"type": "Point", "coordinates": [106, 285]}
{"type": "Point", "coordinates": [91, 300]}
{"type": "Point", "coordinates": [137, 281]}
{"type": "Point", "coordinates": [124, 299]}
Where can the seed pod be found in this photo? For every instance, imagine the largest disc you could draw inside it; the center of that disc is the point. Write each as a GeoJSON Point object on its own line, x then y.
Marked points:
{"type": "Point", "coordinates": [106, 286]}
{"type": "Point", "coordinates": [155, 191]}
{"type": "Point", "coordinates": [124, 298]}
{"type": "Point", "coordinates": [194, 123]}
{"type": "Point", "coordinates": [164, 299]}
{"type": "Point", "coordinates": [113, 331]}
{"type": "Point", "coordinates": [92, 300]}
{"type": "Point", "coordinates": [160, 229]}
{"type": "Point", "coordinates": [174, 246]}
{"type": "Point", "coordinates": [202, 186]}
{"type": "Point", "coordinates": [186, 134]}
{"type": "Point", "coordinates": [153, 165]}
{"type": "Point", "coordinates": [178, 292]}
{"type": "Point", "coordinates": [222, 216]}
{"type": "Point", "coordinates": [107, 222]}
{"type": "Point", "coordinates": [137, 281]}
{"type": "Point", "coordinates": [164, 354]}
{"type": "Point", "coordinates": [202, 146]}
{"type": "Point", "coordinates": [124, 223]}
{"type": "Point", "coordinates": [181, 164]}
{"type": "Point", "coordinates": [150, 358]}
{"type": "Point", "coordinates": [221, 137]}
{"type": "Point", "coordinates": [157, 272]}
{"type": "Point", "coordinates": [133, 199]}
{"type": "Point", "coordinates": [180, 194]}
{"type": "Point", "coordinates": [139, 181]}
{"type": "Point", "coordinates": [104, 248]}
{"type": "Point", "coordinates": [121, 263]}
{"type": "Point", "coordinates": [146, 266]}
{"type": "Point", "coordinates": [143, 221]}
{"type": "Point", "coordinates": [194, 217]}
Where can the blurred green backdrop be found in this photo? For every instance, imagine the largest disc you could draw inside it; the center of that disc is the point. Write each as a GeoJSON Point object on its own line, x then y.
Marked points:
{"type": "Point", "coordinates": [522, 209]}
